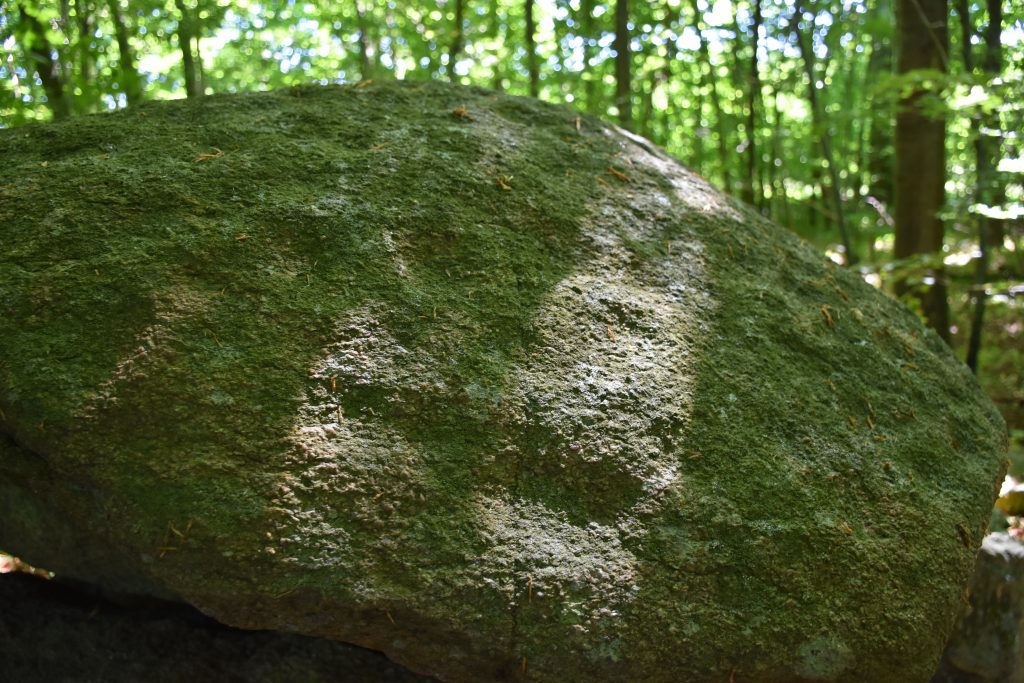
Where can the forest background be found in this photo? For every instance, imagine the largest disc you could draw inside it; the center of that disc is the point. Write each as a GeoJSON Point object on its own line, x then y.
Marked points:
{"type": "Point", "coordinates": [889, 133]}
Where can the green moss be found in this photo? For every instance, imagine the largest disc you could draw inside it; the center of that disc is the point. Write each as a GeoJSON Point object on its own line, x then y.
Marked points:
{"type": "Point", "coordinates": [408, 365]}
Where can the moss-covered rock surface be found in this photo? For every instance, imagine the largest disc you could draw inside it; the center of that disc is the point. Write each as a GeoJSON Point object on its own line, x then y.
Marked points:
{"type": "Point", "coordinates": [492, 387]}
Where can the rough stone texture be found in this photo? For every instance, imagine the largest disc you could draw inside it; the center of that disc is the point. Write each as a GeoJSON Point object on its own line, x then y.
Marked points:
{"type": "Point", "coordinates": [51, 632]}
{"type": "Point", "coordinates": [988, 643]}
{"type": "Point", "coordinates": [472, 380]}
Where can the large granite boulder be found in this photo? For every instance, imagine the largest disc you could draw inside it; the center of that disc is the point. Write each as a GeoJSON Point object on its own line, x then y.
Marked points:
{"type": "Point", "coordinates": [492, 387]}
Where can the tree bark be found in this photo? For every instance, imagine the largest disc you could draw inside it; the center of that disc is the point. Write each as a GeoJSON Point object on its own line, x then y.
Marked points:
{"type": "Point", "coordinates": [623, 70]}
{"type": "Point", "coordinates": [645, 125]}
{"type": "Point", "coordinates": [880, 161]}
{"type": "Point", "coordinates": [778, 185]}
{"type": "Point", "coordinates": [41, 55]}
{"type": "Point", "coordinates": [64, 57]}
{"type": "Point", "coordinates": [531, 50]}
{"type": "Point", "coordinates": [494, 30]}
{"type": "Point", "coordinates": [984, 191]}
{"type": "Point", "coordinates": [457, 39]}
{"type": "Point", "coordinates": [753, 89]}
{"type": "Point", "coordinates": [587, 29]}
{"type": "Point", "coordinates": [130, 79]}
{"type": "Point", "coordinates": [923, 32]}
{"type": "Point", "coordinates": [200, 71]}
{"type": "Point", "coordinates": [185, 37]}
{"type": "Point", "coordinates": [365, 50]}
{"type": "Point", "coordinates": [921, 158]}
{"type": "Point", "coordinates": [993, 65]}
{"type": "Point", "coordinates": [86, 80]}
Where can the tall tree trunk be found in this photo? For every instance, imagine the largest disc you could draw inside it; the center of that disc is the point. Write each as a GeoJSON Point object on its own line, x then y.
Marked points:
{"type": "Point", "coordinates": [86, 81]}
{"type": "Point", "coordinates": [851, 118]}
{"type": "Point", "coordinates": [664, 79]}
{"type": "Point", "coordinates": [41, 55]}
{"type": "Point", "coordinates": [200, 71]}
{"type": "Point", "coordinates": [993, 66]}
{"type": "Point", "coordinates": [708, 77]}
{"type": "Point", "coordinates": [778, 185]}
{"type": "Point", "coordinates": [623, 70]}
{"type": "Point", "coordinates": [862, 105]}
{"type": "Point", "coordinates": [65, 58]}
{"type": "Point", "coordinates": [185, 37]}
{"type": "Point", "coordinates": [457, 39]}
{"type": "Point", "coordinates": [645, 126]}
{"type": "Point", "coordinates": [984, 191]}
{"type": "Point", "coordinates": [698, 139]}
{"type": "Point", "coordinates": [389, 48]}
{"type": "Point", "coordinates": [129, 77]}
{"type": "Point", "coordinates": [587, 29]}
{"type": "Point", "coordinates": [531, 50]}
{"type": "Point", "coordinates": [923, 32]}
{"type": "Point", "coordinates": [821, 131]}
{"type": "Point", "coordinates": [737, 82]}
{"type": "Point", "coordinates": [880, 161]}
{"type": "Point", "coordinates": [493, 32]}
{"type": "Point", "coordinates": [365, 49]}
{"type": "Point", "coordinates": [753, 90]}
{"type": "Point", "coordinates": [697, 88]}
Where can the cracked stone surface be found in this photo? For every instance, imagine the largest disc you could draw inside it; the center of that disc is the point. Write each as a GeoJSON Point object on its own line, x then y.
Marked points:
{"type": "Point", "coordinates": [508, 396]}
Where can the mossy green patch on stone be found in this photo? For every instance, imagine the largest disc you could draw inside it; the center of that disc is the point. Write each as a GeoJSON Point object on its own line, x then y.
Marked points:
{"type": "Point", "coordinates": [477, 389]}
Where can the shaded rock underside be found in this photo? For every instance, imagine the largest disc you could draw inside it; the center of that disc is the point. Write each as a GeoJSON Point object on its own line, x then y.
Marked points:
{"type": "Point", "coordinates": [55, 632]}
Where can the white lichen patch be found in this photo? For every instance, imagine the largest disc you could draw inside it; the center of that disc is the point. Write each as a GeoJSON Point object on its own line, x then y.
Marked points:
{"type": "Point", "coordinates": [535, 554]}
{"type": "Point", "coordinates": [610, 380]}
{"type": "Point", "coordinates": [349, 477]}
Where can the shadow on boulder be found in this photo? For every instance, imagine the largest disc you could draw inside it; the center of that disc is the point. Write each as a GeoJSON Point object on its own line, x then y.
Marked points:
{"type": "Point", "coordinates": [50, 631]}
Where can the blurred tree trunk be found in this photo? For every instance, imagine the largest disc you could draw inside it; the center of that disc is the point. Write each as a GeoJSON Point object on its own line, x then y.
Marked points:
{"type": "Point", "coordinates": [820, 129]}
{"type": "Point", "coordinates": [696, 86]}
{"type": "Point", "coordinates": [366, 71]}
{"type": "Point", "coordinates": [65, 57]}
{"type": "Point", "coordinates": [993, 66]}
{"type": "Point", "coordinates": [493, 33]}
{"type": "Point", "coordinates": [129, 78]}
{"type": "Point", "coordinates": [645, 125]}
{"type": "Point", "coordinates": [40, 55]}
{"type": "Point", "coordinates": [87, 98]}
{"type": "Point", "coordinates": [531, 50]}
{"type": "Point", "coordinates": [708, 77]}
{"type": "Point", "coordinates": [200, 71]}
{"type": "Point", "coordinates": [589, 81]}
{"type": "Point", "coordinates": [923, 40]}
{"type": "Point", "coordinates": [880, 134]}
{"type": "Point", "coordinates": [737, 88]}
{"type": "Point", "coordinates": [623, 70]}
{"type": "Point", "coordinates": [778, 185]}
{"type": "Point", "coordinates": [985, 150]}
{"type": "Point", "coordinates": [185, 42]}
{"type": "Point", "coordinates": [663, 79]}
{"type": "Point", "coordinates": [753, 91]}
{"type": "Point", "coordinates": [457, 39]}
